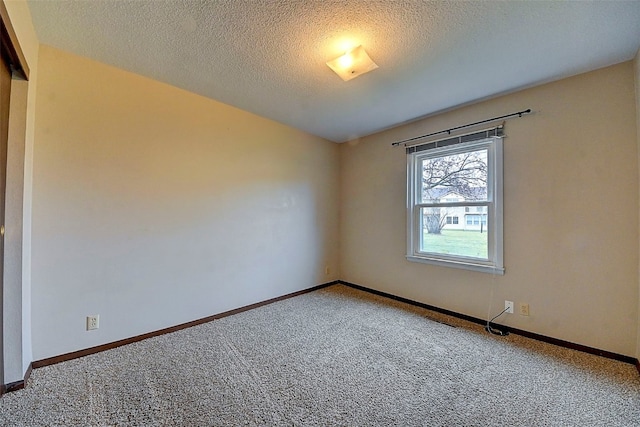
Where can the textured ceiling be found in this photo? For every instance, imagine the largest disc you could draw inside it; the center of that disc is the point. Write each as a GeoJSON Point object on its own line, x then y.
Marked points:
{"type": "Point", "coordinates": [268, 57]}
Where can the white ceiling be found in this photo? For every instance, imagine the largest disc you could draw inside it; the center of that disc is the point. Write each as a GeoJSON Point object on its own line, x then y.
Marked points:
{"type": "Point", "coordinates": [268, 57]}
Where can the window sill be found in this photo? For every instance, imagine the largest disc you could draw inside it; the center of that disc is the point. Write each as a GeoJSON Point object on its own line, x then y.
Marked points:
{"type": "Point", "coordinates": [483, 268]}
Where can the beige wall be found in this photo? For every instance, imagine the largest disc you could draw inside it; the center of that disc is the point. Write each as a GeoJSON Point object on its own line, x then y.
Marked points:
{"type": "Point", "coordinates": [570, 204]}
{"type": "Point", "coordinates": [636, 67]}
{"type": "Point", "coordinates": [154, 206]}
{"type": "Point", "coordinates": [17, 255]}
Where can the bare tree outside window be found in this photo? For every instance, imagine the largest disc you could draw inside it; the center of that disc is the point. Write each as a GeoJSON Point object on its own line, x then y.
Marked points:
{"type": "Point", "coordinates": [435, 220]}
{"type": "Point", "coordinates": [462, 174]}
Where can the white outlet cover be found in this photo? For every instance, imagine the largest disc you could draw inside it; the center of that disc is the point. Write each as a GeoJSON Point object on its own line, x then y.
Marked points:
{"type": "Point", "coordinates": [93, 322]}
{"type": "Point", "coordinates": [508, 305]}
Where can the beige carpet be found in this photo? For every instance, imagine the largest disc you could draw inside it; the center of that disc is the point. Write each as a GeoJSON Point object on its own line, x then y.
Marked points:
{"type": "Point", "coordinates": [332, 357]}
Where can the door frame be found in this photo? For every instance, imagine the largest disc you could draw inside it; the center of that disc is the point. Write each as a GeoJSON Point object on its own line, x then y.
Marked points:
{"type": "Point", "coordinates": [11, 55]}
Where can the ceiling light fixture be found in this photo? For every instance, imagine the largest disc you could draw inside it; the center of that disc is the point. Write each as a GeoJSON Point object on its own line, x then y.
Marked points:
{"type": "Point", "coordinates": [352, 64]}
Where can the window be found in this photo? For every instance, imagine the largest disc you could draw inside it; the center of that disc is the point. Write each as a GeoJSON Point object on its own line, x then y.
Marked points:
{"type": "Point", "coordinates": [476, 219]}
{"type": "Point", "coordinates": [473, 171]}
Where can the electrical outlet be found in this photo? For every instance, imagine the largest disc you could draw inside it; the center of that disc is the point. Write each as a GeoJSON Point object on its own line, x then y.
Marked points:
{"type": "Point", "coordinates": [508, 305]}
{"type": "Point", "coordinates": [524, 309]}
{"type": "Point", "coordinates": [93, 322]}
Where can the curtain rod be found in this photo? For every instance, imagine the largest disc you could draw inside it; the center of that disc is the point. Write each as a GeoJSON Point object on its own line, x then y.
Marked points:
{"type": "Point", "coordinates": [519, 114]}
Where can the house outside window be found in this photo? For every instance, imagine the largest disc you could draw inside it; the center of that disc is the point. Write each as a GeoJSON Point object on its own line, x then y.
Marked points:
{"type": "Point", "coordinates": [446, 183]}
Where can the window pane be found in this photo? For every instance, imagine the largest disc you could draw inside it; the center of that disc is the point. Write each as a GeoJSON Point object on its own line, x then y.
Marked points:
{"type": "Point", "coordinates": [468, 238]}
{"type": "Point", "coordinates": [455, 178]}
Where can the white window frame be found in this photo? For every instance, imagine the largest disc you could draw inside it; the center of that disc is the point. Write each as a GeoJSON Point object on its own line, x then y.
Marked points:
{"type": "Point", "coordinates": [494, 262]}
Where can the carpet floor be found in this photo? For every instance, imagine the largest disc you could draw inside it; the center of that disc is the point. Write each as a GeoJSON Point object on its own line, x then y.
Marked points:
{"type": "Point", "coordinates": [336, 356]}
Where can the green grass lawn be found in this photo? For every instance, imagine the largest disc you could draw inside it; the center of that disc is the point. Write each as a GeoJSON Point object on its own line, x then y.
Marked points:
{"type": "Point", "coordinates": [457, 242]}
